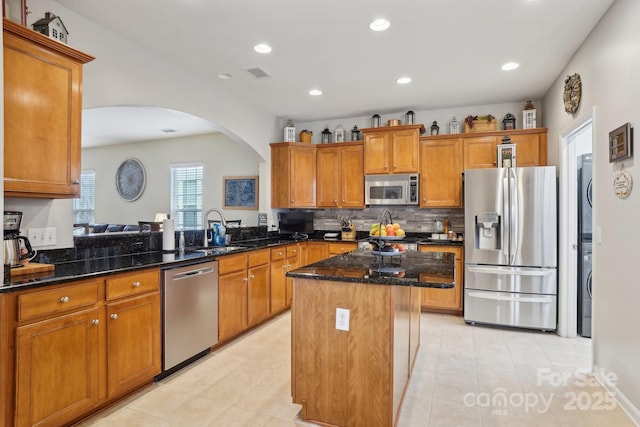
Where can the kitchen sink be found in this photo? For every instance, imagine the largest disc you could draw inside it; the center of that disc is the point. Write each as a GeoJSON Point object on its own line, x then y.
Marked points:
{"type": "Point", "coordinates": [219, 250]}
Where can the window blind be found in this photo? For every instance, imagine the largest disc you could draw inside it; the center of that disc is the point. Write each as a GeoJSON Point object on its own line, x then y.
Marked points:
{"type": "Point", "coordinates": [186, 196]}
{"type": "Point", "coordinates": [84, 206]}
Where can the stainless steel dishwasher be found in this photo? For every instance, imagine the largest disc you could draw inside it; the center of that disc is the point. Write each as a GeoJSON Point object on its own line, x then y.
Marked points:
{"type": "Point", "coordinates": [190, 313]}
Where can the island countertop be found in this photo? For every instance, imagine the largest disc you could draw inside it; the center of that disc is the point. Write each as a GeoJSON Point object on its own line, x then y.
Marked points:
{"type": "Point", "coordinates": [422, 269]}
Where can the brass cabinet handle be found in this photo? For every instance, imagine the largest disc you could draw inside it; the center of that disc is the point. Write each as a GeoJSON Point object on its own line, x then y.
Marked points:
{"type": "Point", "coordinates": [136, 284]}
{"type": "Point", "coordinates": [95, 322]}
{"type": "Point", "coordinates": [114, 316]}
{"type": "Point", "coordinates": [251, 276]}
{"type": "Point", "coordinates": [244, 279]}
{"type": "Point", "coordinates": [64, 299]}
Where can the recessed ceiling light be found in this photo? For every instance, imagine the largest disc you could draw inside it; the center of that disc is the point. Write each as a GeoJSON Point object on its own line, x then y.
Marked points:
{"type": "Point", "coordinates": [403, 80]}
{"type": "Point", "coordinates": [315, 92]}
{"type": "Point", "coordinates": [224, 76]}
{"type": "Point", "coordinates": [380, 24]}
{"type": "Point", "coordinates": [510, 66]}
{"type": "Point", "coordinates": [262, 48]}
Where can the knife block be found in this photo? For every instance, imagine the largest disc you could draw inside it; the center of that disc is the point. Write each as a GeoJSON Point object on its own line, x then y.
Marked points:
{"type": "Point", "coordinates": [348, 235]}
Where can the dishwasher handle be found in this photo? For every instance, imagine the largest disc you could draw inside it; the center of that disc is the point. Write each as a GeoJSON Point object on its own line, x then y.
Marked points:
{"type": "Point", "coordinates": [191, 273]}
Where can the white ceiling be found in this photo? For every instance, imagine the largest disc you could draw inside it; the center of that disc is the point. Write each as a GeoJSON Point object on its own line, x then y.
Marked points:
{"type": "Point", "coordinates": [452, 49]}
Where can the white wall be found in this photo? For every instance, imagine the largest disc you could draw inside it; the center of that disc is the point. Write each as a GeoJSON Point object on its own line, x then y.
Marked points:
{"type": "Point", "coordinates": [443, 116]}
{"type": "Point", "coordinates": [220, 155]}
{"type": "Point", "coordinates": [125, 74]}
{"type": "Point", "coordinates": [609, 65]}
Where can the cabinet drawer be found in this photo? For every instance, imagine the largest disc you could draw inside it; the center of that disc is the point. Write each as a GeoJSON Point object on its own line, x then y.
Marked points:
{"type": "Point", "coordinates": [133, 284]}
{"type": "Point", "coordinates": [293, 250]}
{"type": "Point", "coordinates": [278, 253]}
{"type": "Point", "coordinates": [232, 263]}
{"type": "Point", "coordinates": [258, 257]}
{"type": "Point", "coordinates": [57, 300]}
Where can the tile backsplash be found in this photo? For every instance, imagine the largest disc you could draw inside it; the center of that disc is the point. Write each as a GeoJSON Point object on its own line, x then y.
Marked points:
{"type": "Point", "coordinates": [413, 220]}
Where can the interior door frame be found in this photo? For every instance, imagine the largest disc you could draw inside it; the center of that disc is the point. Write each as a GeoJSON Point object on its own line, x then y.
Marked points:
{"type": "Point", "coordinates": [567, 221]}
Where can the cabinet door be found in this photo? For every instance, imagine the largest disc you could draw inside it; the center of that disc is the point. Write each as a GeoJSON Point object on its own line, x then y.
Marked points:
{"type": "Point", "coordinates": [315, 251]}
{"type": "Point", "coordinates": [232, 304]}
{"type": "Point", "coordinates": [352, 176]}
{"type": "Point", "coordinates": [278, 285]}
{"type": "Point", "coordinates": [134, 345]}
{"type": "Point", "coordinates": [259, 293]}
{"type": "Point", "coordinates": [480, 152]}
{"type": "Point", "coordinates": [57, 369]}
{"type": "Point", "coordinates": [376, 153]}
{"type": "Point", "coordinates": [302, 178]}
{"type": "Point", "coordinates": [405, 150]}
{"type": "Point", "coordinates": [445, 299]}
{"type": "Point", "coordinates": [328, 182]}
{"type": "Point", "coordinates": [530, 149]}
{"type": "Point", "coordinates": [441, 173]}
{"type": "Point", "coordinates": [43, 108]}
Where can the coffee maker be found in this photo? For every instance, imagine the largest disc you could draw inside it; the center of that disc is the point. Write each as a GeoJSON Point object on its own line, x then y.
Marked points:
{"type": "Point", "coordinates": [14, 251]}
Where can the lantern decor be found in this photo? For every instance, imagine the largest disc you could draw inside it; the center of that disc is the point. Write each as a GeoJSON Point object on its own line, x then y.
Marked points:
{"type": "Point", "coordinates": [340, 134]}
{"type": "Point", "coordinates": [509, 122]}
{"type": "Point", "coordinates": [326, 135]}
{"type": "Point", "coordinates": [435, 129]}
{"type": "Point", "coordinates": [355, 133]}
{"type": "Point", "coordinates": [52, 27]}
{"type": "Point", "coordinates": [409, 118]}
{"type": "Point", "coordinates": [454, 126]}
{"type": "Point", "coordinates": [289, 132]}
{"type": "Point", "coordinates": [529, 116]}
{"type": "Point", "coordinates": [506, 153]}
{"type": "Point", "coordinates": [375, 121]}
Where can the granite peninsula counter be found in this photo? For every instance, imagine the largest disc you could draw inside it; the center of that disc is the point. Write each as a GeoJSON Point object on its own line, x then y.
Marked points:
{"type": "Point", "coordinates": [356, 332]}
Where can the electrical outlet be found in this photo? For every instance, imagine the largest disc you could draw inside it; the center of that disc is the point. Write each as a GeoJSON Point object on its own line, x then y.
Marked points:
{"type": "Point", "coordinates": [39, 237]}
{"type": "Point", "coordinates": [342, 319]}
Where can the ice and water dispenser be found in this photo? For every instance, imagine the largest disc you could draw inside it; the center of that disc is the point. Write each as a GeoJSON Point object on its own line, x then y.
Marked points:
{"type": "Point", "coordinates": [487, 231]}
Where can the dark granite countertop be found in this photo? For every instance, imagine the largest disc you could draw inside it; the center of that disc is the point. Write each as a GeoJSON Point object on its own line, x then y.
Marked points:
{"type": "Point", "coordinates": [93, 266]}
{"type": "Point", "coordinates": [423, 269]}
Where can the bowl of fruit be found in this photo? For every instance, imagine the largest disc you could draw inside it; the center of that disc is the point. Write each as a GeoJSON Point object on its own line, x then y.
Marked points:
{"type": "Point", "coordinates": [386, 231]}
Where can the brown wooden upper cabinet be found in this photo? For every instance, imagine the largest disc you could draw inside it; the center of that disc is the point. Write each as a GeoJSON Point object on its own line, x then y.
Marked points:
{"type": "Point", "coordinates": [340, 175]}
{"type": "Point", "coordinates": [443, 159]}
{"type": "Point", "coordinates": [293, 175]}
{"type": "Point", "coordinates": [480, 150]}
{"type": "Point", "coordinates": [42, 130]}
{"type": "Point", "coordinates": [392, 149]}
{"type": "Point", "coordinates": [441, 173]}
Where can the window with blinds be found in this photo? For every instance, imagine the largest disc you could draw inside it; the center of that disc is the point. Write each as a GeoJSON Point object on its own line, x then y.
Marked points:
{"type": "Point", "coordinates": [84, 207]}
{"type": "Point", "coordinates": [186, 196]}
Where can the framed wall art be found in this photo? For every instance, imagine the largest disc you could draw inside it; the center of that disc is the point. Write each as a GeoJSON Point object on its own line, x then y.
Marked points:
{"type": "Point", "coordinates": [507, 155]}
{"type": "Point", "coordinates": [621, 143]}
{"type": "Point", "coordinates": [240, 192]}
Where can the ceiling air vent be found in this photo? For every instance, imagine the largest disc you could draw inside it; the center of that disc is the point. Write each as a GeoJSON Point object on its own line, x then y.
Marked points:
{"type": "Point", "coordinates": [258, 73]}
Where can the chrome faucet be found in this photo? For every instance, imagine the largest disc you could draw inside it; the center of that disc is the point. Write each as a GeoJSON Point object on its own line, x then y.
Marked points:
{"type": "Point", "coordinates": [205, 225]}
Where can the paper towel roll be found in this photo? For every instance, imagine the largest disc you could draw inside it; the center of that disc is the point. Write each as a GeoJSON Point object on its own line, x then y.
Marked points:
{"type": "Point", "coordinates": [168, 235]}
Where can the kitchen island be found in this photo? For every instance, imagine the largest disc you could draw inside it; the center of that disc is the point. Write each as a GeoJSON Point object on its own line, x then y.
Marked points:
{"type": "Point", "coordinates": [356, 332]}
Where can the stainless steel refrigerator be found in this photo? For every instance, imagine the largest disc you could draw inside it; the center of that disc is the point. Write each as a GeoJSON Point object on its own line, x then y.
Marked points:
{"type": "Point", "coordinates": [511, 247]}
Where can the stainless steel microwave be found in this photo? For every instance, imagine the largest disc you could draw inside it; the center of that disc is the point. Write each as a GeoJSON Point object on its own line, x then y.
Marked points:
{"type": "Point", "coordinates": [392, 189]}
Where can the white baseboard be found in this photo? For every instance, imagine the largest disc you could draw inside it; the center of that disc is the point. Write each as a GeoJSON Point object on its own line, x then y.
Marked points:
{"type": "Point", "coordinates": [627, 406]}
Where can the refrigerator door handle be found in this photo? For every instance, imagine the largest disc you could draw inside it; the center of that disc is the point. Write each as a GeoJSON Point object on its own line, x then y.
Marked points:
{"type": "Point", "coordinates": [496, 296]}
{"type": "Point", "coordinates": [506, 220]}
{"type": "Point", "coordinates": [514, 216]}
{"type": "Point", "coordinates": [510, 271]}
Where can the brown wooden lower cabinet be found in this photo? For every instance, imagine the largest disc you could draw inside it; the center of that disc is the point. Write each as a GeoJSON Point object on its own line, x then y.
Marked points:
{"type": "Point", "coordinates": [449, 300]}
{"type": "Point", "coordinates": [57, 369]}
{"type": "Point", "coordinates": [68, 349]}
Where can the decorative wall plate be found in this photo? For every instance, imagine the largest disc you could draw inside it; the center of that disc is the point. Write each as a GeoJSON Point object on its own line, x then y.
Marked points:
{"type": "Point", "coordinates": [572, 93]}
{"type": "Point", "coordinates": [130, 179]}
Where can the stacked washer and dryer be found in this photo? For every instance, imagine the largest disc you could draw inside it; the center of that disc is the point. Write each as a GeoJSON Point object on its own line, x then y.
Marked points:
{"type": "Point", "coordinates": [585, 206]}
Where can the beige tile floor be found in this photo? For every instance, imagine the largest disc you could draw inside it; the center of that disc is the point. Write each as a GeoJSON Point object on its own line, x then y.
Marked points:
{"type": "Point", "coordinates": [460, 374]}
